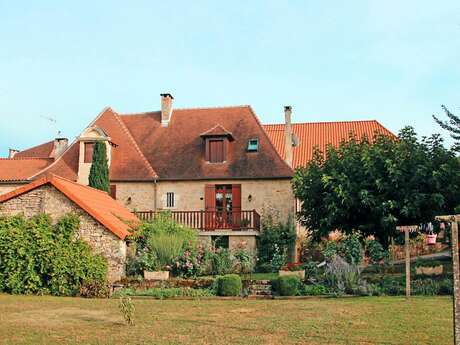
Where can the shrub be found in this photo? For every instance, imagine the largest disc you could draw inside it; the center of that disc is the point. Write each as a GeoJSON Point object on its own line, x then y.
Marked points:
{"type": "Point", "coordinates": [229, 285]}
{"type": "Point", "coordinates": [446, 287]}
{"type": "Point", "coordinates": [375, 251]}
{"type": "Point", "coordinates": [244, 261]}
{"type": "Point", "coordinates": [221, 261]}
{"type": "Point", "coordinates": [161, 241]}
{"type": "Point", "coordinates": [126, 307]}
{"type": "Point", "coordinates": [37, 257]}
{"type": "Point", "coordinates": [275, 241]}
{"type": "Point", "coordinates": [341, 276]}
{"type": "Point", "coordinates": [349, 248]}
{"type": "Point", "coordinates": [94, 289]}
{"type": "Point", "coordinates": [313, 290]}
{"type": "Point", "coordinates": [162, 293]}
{"type": "Point", "coordinates": [288, 285]}
{"type": "Point", "coordinates": [425, 287]}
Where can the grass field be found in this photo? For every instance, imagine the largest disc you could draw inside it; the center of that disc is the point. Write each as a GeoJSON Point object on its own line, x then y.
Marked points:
{"type": "Point", "coordinates": [370, 320]}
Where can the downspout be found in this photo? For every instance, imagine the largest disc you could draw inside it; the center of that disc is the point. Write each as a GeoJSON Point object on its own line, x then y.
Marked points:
{"type": "Point", "coordinates": [155, 195]}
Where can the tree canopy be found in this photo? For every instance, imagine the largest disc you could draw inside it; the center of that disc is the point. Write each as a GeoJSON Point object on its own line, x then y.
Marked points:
{"type": "Point", "coordinates": [99, 173]}
{"type": "Point", "coordinates": [452, 125]}
{"type": "Point", "coordinates": [371, 186]}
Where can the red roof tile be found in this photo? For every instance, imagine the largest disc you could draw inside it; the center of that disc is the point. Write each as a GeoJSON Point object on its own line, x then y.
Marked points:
{"type": "Point", "coordinates": [21, 169]}
{"type": "Point", "coordinates": [321, 134]}
{"type": "Point", "coordinates": [39, 151]}
{"type": "Point", "coordinates": [96, 203]}
{"type": "Point", "coordinates": [128, 162]}
{"type": "Point", "coordinates": [177, 151]}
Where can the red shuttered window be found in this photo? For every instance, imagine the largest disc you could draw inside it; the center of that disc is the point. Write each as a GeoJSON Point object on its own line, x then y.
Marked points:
{"type": "Point", "coordinates": [89, 148]}
{"type": "Point", "coordinates": [216, 151]}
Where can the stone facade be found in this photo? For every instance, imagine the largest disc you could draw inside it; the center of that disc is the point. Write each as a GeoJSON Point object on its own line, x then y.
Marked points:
{"type": "Point", "coordinates": [47, 199]}
{"type": "Point", "coordinates": [273, 196]}
{"type": "Point", "coordinates": [8, 187]}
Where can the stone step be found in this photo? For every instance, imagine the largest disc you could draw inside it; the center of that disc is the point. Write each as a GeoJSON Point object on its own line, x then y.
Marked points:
{"type": "Point", "coordinates": [260, 288]}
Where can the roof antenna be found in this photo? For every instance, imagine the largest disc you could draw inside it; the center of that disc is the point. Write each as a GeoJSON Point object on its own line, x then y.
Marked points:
{"type": "Point", "coordinates": [53, 121]}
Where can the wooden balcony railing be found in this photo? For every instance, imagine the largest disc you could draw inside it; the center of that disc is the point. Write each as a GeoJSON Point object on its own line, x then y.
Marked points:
{"type": "Point", "coordinates": [210, 220]}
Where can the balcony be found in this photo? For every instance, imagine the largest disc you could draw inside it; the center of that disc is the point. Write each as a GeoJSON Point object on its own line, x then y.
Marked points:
{"type": "Point", "coordinates": [210, 220]}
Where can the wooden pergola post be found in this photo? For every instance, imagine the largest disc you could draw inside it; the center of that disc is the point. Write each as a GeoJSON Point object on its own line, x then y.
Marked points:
{"type": "Point", "coordinates": [407, 249]}
{"type": "Point", "coordinates": [455, 267]}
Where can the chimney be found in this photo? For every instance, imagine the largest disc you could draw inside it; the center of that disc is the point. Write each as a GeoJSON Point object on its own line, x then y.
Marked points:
{"type": "Point", "coordinates": [60, 145]}
{"type": "Point", "coordinates": [12, 153]}
{"type": "Point", "coordinates": [288, 135]}
{"type": "Point", "coordinates": [166, 108]}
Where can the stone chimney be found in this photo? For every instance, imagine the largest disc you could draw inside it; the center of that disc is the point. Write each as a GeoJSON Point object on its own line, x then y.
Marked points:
{"type": "Point", "coordinates": [166, 108]}
{"type": "Point", "coordinates": [12, 153]}
{"type": "Point", "coordinates": [60, 145]}
{"type": "Point", "coordinates": [288, 135]}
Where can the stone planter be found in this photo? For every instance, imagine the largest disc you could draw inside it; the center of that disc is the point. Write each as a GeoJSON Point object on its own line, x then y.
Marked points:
{"type": "Point", "coordinates": [156, 275]}
{"type": "Point", "coordinates": [300, 274]}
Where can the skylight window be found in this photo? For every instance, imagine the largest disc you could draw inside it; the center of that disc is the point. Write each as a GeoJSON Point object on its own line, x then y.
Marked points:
{"type": "Point", "coordinates": [253, 145]}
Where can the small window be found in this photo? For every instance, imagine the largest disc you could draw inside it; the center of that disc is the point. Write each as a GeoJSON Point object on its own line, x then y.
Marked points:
{"type": "Point", "coordinates": [253, 145]}
{"type": "Point", "coordinates": [220, 242]}
{"type": "Point", "coordinates": [89, 148]}
{"type": "Point", "coordinates": [170, 199]}
{"type": "Point", "coordinates": [216, 151]}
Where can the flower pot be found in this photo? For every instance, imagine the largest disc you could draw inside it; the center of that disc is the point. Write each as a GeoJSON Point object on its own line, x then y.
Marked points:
{"type": "Point", "coordinates": [156, 275]}
{"type": "Point", "coordinates": [300, 274]}
{"type": "Point", "coordinates": [431, 239]}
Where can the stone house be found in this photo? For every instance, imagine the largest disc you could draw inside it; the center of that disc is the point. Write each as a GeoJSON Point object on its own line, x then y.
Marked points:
{"type": "Point", "coordinates": [214, 169]}
{"type": "Point", "coordinates": [104, 222]}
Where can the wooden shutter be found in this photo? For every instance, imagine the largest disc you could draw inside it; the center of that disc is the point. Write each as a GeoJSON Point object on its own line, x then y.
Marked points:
{"type": "Point", "coordinates": [209, 206]}
{"type": "Point", "coordinates": [216, 151]}
{"type": "Point", "coordinates": [236, 207]}
{"type": "Point", "coordinates": [113, 191]}
{"type": "Point", "coordinates": [89, 148]}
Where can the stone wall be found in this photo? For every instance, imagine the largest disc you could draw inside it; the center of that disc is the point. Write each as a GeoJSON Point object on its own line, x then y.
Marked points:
{"type": "Point", "coordinates": [7, 187]}
{"type": "Point", "coordinates": [47, 199]}
{"type": "Point", "coordinates": [274, 196]}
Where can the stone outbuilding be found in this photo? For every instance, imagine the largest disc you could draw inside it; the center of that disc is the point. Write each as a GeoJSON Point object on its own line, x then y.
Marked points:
{"type": "Point", "coordinates": [104, 222]}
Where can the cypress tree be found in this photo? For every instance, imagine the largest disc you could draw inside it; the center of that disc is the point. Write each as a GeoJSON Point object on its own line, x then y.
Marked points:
{"type": "Point", "coordinates": [99, 173]}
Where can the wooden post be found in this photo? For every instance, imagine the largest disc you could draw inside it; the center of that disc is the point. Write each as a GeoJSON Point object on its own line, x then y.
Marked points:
{"type": "Point", "coordinates": [455, 267]}
{"type": "Point", "coordinates": [407, 249]}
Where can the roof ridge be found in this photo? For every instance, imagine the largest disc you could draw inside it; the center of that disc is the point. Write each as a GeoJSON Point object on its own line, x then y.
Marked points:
{"type": "Point", "coordinates": [128, 133]}
{"type": "Point", "coordinates": [25, 158]}
{"type": "Point", "coordinates": [184, 109]}
{"type": "Point", "coordinates": [320, 122]}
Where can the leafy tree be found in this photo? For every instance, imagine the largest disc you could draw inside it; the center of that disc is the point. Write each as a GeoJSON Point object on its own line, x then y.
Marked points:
{"type": "Point", "coordinates": [371, 187]}
{"type": "Point", "coordinates": [99, 173]}
{"type": "Point", "coordinates": [452, 125]}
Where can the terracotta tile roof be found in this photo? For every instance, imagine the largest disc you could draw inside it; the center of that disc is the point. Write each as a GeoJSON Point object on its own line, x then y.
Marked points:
{"type": "Point", "coordinates": [39, 151]}
{"type": "Point", "coordinates": [96, 203]}
{"type": "Point", "coordinates": [128, 161]}
{"type": "Point", "coordinates": [176, 152]}
{"type": "Point", "coordinates": [321, 134]}
{"type": "Point", "coordinates": [21, 169]}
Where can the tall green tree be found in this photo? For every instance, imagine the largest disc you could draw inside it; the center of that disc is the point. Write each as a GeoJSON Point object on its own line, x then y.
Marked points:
{"type": "Point", "coordinates": [370, 187]}
{"type": "Point", "coordinates": [99, 173]}
{"type": "Point", "coordinates": [452, 125]}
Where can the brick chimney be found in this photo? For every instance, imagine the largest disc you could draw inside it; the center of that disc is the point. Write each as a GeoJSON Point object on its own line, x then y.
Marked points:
{"type": "Point", "coordinates": [60, 145]}
{"type": "Point", "coordinates": [12, 153]}
{"type": "Point", "coordinates": [288, 135]}
{"type": "Point", "coordinates": [166, 108]}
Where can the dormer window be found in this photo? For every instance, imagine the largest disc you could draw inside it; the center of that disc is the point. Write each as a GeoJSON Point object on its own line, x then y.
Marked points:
{"type": "Point", "coordinates": [216, 150]}
{"type": "Point", "coordinates": [89, 148]}
{"type": "Point", "coordinates": [253, 145]}
{"type": "Point", "coordinates": [216, 145]}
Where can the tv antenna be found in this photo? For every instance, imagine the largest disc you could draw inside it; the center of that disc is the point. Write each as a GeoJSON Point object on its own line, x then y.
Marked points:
{"type": "Point", "coordinates": [53, 121]}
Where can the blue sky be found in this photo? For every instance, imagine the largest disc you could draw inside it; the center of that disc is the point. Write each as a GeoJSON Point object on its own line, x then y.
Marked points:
{"type": "Point", "coordinates": [394, 61]}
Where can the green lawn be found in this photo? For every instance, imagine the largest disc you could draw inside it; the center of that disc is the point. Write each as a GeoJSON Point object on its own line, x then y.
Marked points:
{"type": "Point", "coordinates": [370, 320]}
